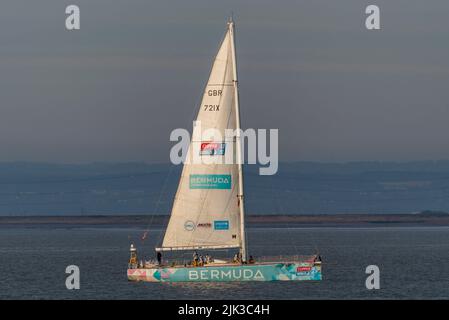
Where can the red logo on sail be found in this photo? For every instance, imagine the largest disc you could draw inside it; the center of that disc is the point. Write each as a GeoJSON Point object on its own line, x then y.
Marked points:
{"type": "Point", "coordinates": [212, 148]}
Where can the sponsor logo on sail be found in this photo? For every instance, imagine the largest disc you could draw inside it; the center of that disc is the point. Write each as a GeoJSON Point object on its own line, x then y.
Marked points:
{"type": "Point", "coordinates": [221, 225]}
{"type": "Point", "coordinates": [204, 225]}
{"type": "Point", "coordinates": [210, 181]}
{"type": "Point", "coordinates": [189, 225]}
{"type": "Point", "coordinates": [212, 148]}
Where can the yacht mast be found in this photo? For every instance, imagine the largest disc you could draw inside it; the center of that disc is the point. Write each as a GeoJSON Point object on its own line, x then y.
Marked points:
{"type": "Point", "coordinates": [238, 144]}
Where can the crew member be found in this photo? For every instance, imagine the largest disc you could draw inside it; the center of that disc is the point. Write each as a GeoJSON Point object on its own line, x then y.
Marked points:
{"type": "Point", "coordinates": [195, 258]}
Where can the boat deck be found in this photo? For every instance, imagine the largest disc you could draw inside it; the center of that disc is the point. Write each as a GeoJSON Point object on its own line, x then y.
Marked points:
{"type": "Point", "coordinates": [308, 260]}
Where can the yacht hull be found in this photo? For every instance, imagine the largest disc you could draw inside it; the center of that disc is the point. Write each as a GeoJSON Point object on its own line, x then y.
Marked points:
{"type": "Point", "coordinates": [276, 271]}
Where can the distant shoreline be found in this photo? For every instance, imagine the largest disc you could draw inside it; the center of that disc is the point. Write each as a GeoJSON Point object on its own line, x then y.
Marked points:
{"type": "Point", "coordinates": [145, 221]}
{"type": "Point", "coordinates": [371, 187]}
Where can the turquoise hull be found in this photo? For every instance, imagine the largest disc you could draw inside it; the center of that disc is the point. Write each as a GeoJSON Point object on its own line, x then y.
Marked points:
{"type": "Point", "coordinates": [249, 272]}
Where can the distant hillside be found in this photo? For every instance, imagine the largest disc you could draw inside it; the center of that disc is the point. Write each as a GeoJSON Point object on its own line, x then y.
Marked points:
{"type": "Point", "coordinates": [298, 188]}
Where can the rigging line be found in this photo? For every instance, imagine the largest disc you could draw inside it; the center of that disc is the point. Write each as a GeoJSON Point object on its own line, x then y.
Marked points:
{"type": "Point", "coordinates": [156, 206]}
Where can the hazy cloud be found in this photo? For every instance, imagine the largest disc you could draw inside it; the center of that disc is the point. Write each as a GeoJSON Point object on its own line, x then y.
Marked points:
{"type": "Point", "coordinates": [114, 90]}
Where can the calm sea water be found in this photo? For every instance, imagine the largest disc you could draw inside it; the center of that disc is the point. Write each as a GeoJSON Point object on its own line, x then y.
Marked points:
{"type": "Point", "coordinates": [413, 264]}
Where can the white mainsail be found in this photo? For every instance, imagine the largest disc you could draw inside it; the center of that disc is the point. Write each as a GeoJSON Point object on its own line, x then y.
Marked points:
{"type": "Point", "coordinates": [208, 207]}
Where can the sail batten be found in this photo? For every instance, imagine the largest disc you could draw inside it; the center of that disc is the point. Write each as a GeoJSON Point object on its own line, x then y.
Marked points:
{"type": "Point", "coordinates": [205, 212]}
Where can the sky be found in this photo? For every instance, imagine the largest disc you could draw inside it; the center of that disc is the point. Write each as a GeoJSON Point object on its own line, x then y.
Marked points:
{"type": "Point", "coordinates": [116, 88]}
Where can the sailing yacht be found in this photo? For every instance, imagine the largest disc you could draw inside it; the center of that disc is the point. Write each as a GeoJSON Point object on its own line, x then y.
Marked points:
{"type": "Point", "coordinates": [208, 212]}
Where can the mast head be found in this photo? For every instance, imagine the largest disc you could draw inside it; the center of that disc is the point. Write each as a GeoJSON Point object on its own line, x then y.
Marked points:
{"type": "Point", "coordinates": [231, 18]}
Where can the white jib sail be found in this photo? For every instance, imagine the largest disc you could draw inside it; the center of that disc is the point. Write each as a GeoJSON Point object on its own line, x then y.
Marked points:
{"type": "Point", "coordinates": [205, 211]}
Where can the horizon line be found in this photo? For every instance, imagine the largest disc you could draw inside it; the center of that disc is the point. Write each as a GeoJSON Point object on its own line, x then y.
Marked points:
{"type": "Point", "coordinates": [247, 164]}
